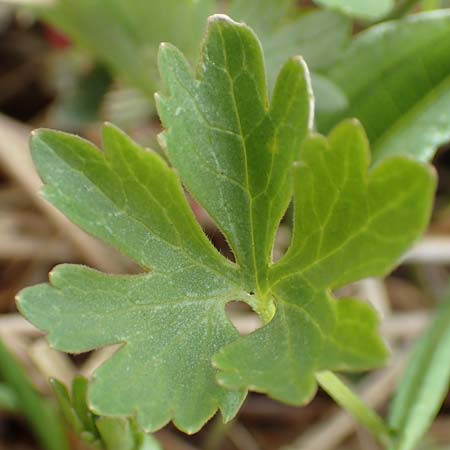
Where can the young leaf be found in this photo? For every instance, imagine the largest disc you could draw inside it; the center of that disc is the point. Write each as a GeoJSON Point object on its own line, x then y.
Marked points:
{"type": "Point", "coordinates": [424, 384]}
{"type": "Point", "coordinates": [234, 151]}
{"type": "Point", "coordinates": [45, 423]}
{"type": "Point", "coordinates": [363, 9]}
{"type": "Point", "coordinates": [119, 434]}
{"type": "Point", "coordinates": [125, 35]}
{"type": "Point", "coordinates": [396, 77]}
{"type": "Point", "coordinates": [109, 433]}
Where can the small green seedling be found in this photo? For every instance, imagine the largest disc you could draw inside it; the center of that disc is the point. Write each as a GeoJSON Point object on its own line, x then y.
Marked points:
{"type": "Point", "coordinates": [244, 158]}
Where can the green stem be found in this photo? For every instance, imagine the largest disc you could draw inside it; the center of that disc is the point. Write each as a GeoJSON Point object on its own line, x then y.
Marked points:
{"type": "Point", "coordinates": [348, 400]}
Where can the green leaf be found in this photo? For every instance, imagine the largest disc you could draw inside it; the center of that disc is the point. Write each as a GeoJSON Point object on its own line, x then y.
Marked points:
{"type": "Point", "coordinates": [363, 9]}
{"type": "Point", "coordinates": [41, 416]}
{"type": "Point", "coordinates": [109, 433]}
{"type": "Point", "coordinates": [348, 225]}
{"type": "Point", "coordinates": [235, 151]}
{"type": "Point", "coordinates": [424, 384]}
{"type": "Point", "coordinates": [116, 433]}
{"type": "Point", "coordinates": [396, 77]}
{"type": "Point", "coordinates": [78, 103]}
{"type": "Point", "coordinates": [328, 96]}
{"type": "Point", "coordinates": [65, 404]}
{"type": "Point", "coordinates": [79, 402]}
{"type": "Point", "coordinates": [149, 443]}
{"type": "Point", "coordinates": [8, 399]}
{"type": "Point", "coordinates": [121, 434]}
{"type": "Point", "coordinates": [126, 35]}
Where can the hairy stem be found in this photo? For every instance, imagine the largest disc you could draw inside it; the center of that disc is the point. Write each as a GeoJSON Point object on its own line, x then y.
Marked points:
{"type": "Point", "coordinates": [348, 400]}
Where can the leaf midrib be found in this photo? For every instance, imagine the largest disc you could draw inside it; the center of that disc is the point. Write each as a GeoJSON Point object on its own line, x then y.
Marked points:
{"type": "Point", "coordinates": [244, 146]}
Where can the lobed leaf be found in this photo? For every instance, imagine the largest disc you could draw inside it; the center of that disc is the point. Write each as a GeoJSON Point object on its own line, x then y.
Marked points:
{"type": "Point", "coordinates": [242, 156]}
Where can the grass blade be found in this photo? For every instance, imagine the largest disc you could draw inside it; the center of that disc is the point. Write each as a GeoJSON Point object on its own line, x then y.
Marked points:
{"type": "Point", "coordinates": [424, 384]}
{"type": "Point", "coordinates": [45, 423]}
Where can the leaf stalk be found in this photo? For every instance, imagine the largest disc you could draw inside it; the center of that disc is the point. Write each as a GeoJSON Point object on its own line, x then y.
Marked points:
{"type": "Point", "coordinates": [356, 407]}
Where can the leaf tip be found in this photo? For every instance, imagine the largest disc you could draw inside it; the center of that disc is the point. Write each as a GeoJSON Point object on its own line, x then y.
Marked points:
{"type": "Point", "coordinates": [164, 50]}
{"type": "Point", "coordinates": [18, 299]}
{"type": "Point", "coordinates": [221, 18]}
{"type": "Point", "coordinates": [37, 135]}
{"type": "Point", "coordinates": [164, 46]}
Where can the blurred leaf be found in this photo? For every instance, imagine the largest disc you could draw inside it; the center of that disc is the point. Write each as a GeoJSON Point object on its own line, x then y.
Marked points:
{"type": "Point", "coordinates": [121, 434]}
{"type": "Point", "coordinates": [109, 433]}
{"type": "Point", "coordinates": [65, 404]}
{"type": "Point", "coordinates": [8, 399]}
{"type": "Point", "coordinates": [79, 402]}
{"type": "Point", "coordinates": [128, 107]}
{"type": "Point", "coordinates": [116, 433]}
{"type": "Point", "coordinates": [328, 96]}
{"type": "Point", "coordinates": [149, 443]}
{"type": "Point", "coordinates": [318, 36]}
{"type": "Point", "coordinates": [425, 383]}
{"type": "Point", "coordinates": [396, 77]}
{"type": "Point", "coordinates": [41, 415]}
{"type": "Point", "coordinates": [364, 9]}
{"type": "Point", "coordinates": [79, 105]}
{"type": "Point", "coordinates": [126, 35]}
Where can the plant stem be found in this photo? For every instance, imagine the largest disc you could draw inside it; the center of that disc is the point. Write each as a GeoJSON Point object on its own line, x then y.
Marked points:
{"type": "Point", "coordinates": [348, 400]}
